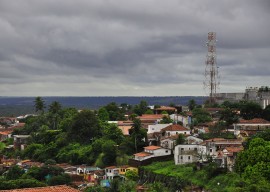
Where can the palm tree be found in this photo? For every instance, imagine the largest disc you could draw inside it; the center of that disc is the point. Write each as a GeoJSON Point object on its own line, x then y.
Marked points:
{"type": "Point", "coordinates": [54, 109]}
{"type": "Point", "coordinates": [39, 105]}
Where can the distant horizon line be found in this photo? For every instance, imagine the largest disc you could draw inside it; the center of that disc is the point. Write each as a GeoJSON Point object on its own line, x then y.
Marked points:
{"type": "Point", "coordinates": [111, 96]}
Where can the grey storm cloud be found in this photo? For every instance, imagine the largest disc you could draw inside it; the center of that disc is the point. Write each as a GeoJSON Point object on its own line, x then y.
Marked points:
{"type": "Point", "coordinates": [119, 47]}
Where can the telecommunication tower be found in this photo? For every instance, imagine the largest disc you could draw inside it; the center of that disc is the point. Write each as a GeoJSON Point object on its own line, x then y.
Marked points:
{"type": "Point", "coordinates": [211, 82]}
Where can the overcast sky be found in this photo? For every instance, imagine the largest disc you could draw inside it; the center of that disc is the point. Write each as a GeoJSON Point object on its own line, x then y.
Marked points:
{"type": "Point", "coordinates": [130, 47]}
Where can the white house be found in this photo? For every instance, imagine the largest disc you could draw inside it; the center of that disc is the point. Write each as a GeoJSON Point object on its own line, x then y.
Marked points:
{"type": "Point", "coordinates": [216, 144]}
{"type": "Point", "coordinates": [72, 170]}
{"type": "Point", "coordinates": [111, 172]}
{"type": "Point", "coordinates": [5, 135]}
{"type": "Point", "coordinates": [174, 130]}
{"type": "Point", "coordinates": [83, 169]}
{"type": "Point", "coordinates": [230, 154]}
{"type": "Point", "coordinates": [20, 141]}
{"type": "Point", "coordinates": [193, 140]}
{"type": "Point", "coordinates": [185, 119]}
{"type": "Point", "coordinates": [151, 151]}
{"type": "Point", "coordinates": [156, 127]}
{"type": "Point", "coordinates": [169, 142]}
{"type": "Point", "coordinates": [157, 151]}
{"type": "Point", "coordinates": [250, 127]}
{"type": "Point", "coordinates": [189, 153]}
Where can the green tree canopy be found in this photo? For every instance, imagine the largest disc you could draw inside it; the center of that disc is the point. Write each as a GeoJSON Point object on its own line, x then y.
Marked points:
{"type": "Point", "coordinates": [85, 127]}
{"type": "Point", "coordinates": [229, 116]}
{"type": "Point", "coordinates": [250, 110]}
{"type": "Point", "coordinates": [200, 115]}
{"type": "Point", "coordinates": [112, 132]}
{"type": "Point", "coordinates": [39, 105]}
{"type": "Point", "coordinates": [103, 114]}
{"type": "Point", "coordinates": [255, 159]}
{"type": "Point", "coordinates": [14, 172]}
{"type": "Point", "coordinates": [115, 113]}
{"type": "Point", "coordinates": [180, 139]}
{"type": "Point", "coordinates": [109, 152]}
{"type": "Point", "coordinates": [166, 119]}
{"type": "Point", "coordinates": [141, 108]}
{"type": "Point", "coordinates": [191, 104]}
{"type": "Point", "coordinates": [266, 113]}
{"type": "Point", "coordinates": [138, 135]}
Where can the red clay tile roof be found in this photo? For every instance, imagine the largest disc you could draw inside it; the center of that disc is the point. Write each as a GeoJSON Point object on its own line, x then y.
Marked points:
{"type": "Point", "coordinates": [172, 137]}
{"type": "Point", "coordinates": [166, 108]}
{"type": "Point", "coordinates": [59, 188]}
{"type": "Point", "coordinates": [19, 125]}
{"type": "Point", "coordinates": [215, 139]}
{"type": "Point", "coordinates": [222, 141]}
{"type": "Point", "coordinates": [5, 132]}
{"type": "Point", "coordinates": [234, 149]}
{"type": "Point", "coordinates": [125, 123]}
{"type": "Point", "coordinates": [142, 154]}
{"type": "Point", "coordinates": [152, 147]}
{"type": "Point", "coordinates": [254, 121]}
{"type": "Point", "coordinates": [175, 128]}
{"type": "Point", "coordinates": [151, 116]}
{"type": "Point", "coordinates": [189, 113]}
{"type": "Point", "coordinates": [214, 109]}
{"type": "Point", "coordinates": [111, 167]}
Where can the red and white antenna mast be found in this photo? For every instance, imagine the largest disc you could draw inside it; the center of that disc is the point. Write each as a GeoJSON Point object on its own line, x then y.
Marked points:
{"type": "Point", "coordinates": [211, 82]}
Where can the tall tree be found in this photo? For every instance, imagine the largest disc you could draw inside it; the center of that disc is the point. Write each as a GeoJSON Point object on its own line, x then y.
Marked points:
{"type": "Point", "coordinates": [112, 132]}
{"type": "Point", "coordinates": [250, 110]}
{"type": "Point", "coordinates": [39, 105]}
{"type": "Point", "coordinates": [115, 112]}
{"type": "Point", "coordinates": [266, 113]}
{"type": "Point", "coordinates": [141, 108]}
{"type": "Point", "coordinates": [54, 109]}
{"type": "Point", "coordinates": [138, 134]}
{"type": "Point", "coordinates": [85, 127]}
{"type": "Point", "coordinates": [200, 115]}
{"type": "Point", "coordinates": [191, 104]}
{"type": "Point", "coordinates": [103, 114]}
{"type": "Point", "coordinates": [229, 116]}
{"type": "Point", "coordinates": [109, 152]}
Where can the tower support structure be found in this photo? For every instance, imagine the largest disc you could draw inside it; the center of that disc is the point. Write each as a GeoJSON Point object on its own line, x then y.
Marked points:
{"type": "Point", "coordinates": [211, 81]}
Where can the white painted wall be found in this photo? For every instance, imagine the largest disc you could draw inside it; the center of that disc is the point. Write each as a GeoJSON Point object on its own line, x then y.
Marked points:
{"type": "Point", "coordinates": [156, 128]}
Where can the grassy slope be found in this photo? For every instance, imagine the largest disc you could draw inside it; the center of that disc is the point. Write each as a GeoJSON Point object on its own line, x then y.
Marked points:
{"type": "Point", "coordinates": [223, 182]}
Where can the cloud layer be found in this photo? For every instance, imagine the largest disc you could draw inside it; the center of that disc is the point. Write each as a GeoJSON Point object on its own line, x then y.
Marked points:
{"type": "Point", "coordinates": [140, 48]}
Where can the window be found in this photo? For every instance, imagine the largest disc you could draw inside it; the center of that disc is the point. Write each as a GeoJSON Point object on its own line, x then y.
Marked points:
{"type": "Point", "coordinates": [181, 157]}
{"type": "Point", "coordinates": [188, 157]}
{"type": "Point", "coordinates": [166, 151]}
{"type": "Point", "coordinates": [211, 150]}
{"type": "Point", "coordinates": [185, 133]}
{"type": "Point", "coordinates": [195, 149]}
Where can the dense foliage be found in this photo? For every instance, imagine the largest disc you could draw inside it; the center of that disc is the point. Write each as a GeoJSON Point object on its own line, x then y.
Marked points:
{"type": "Point", "coordinates": [85, 137]}
{"type": "Point", "coordinates": [16, 177]}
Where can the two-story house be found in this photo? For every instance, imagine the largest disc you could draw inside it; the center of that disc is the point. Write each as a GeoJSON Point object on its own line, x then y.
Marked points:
{"type": "Point", "coordinates": [189, 153]}
{"type": "Point", "coordinates": [111, 172]}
